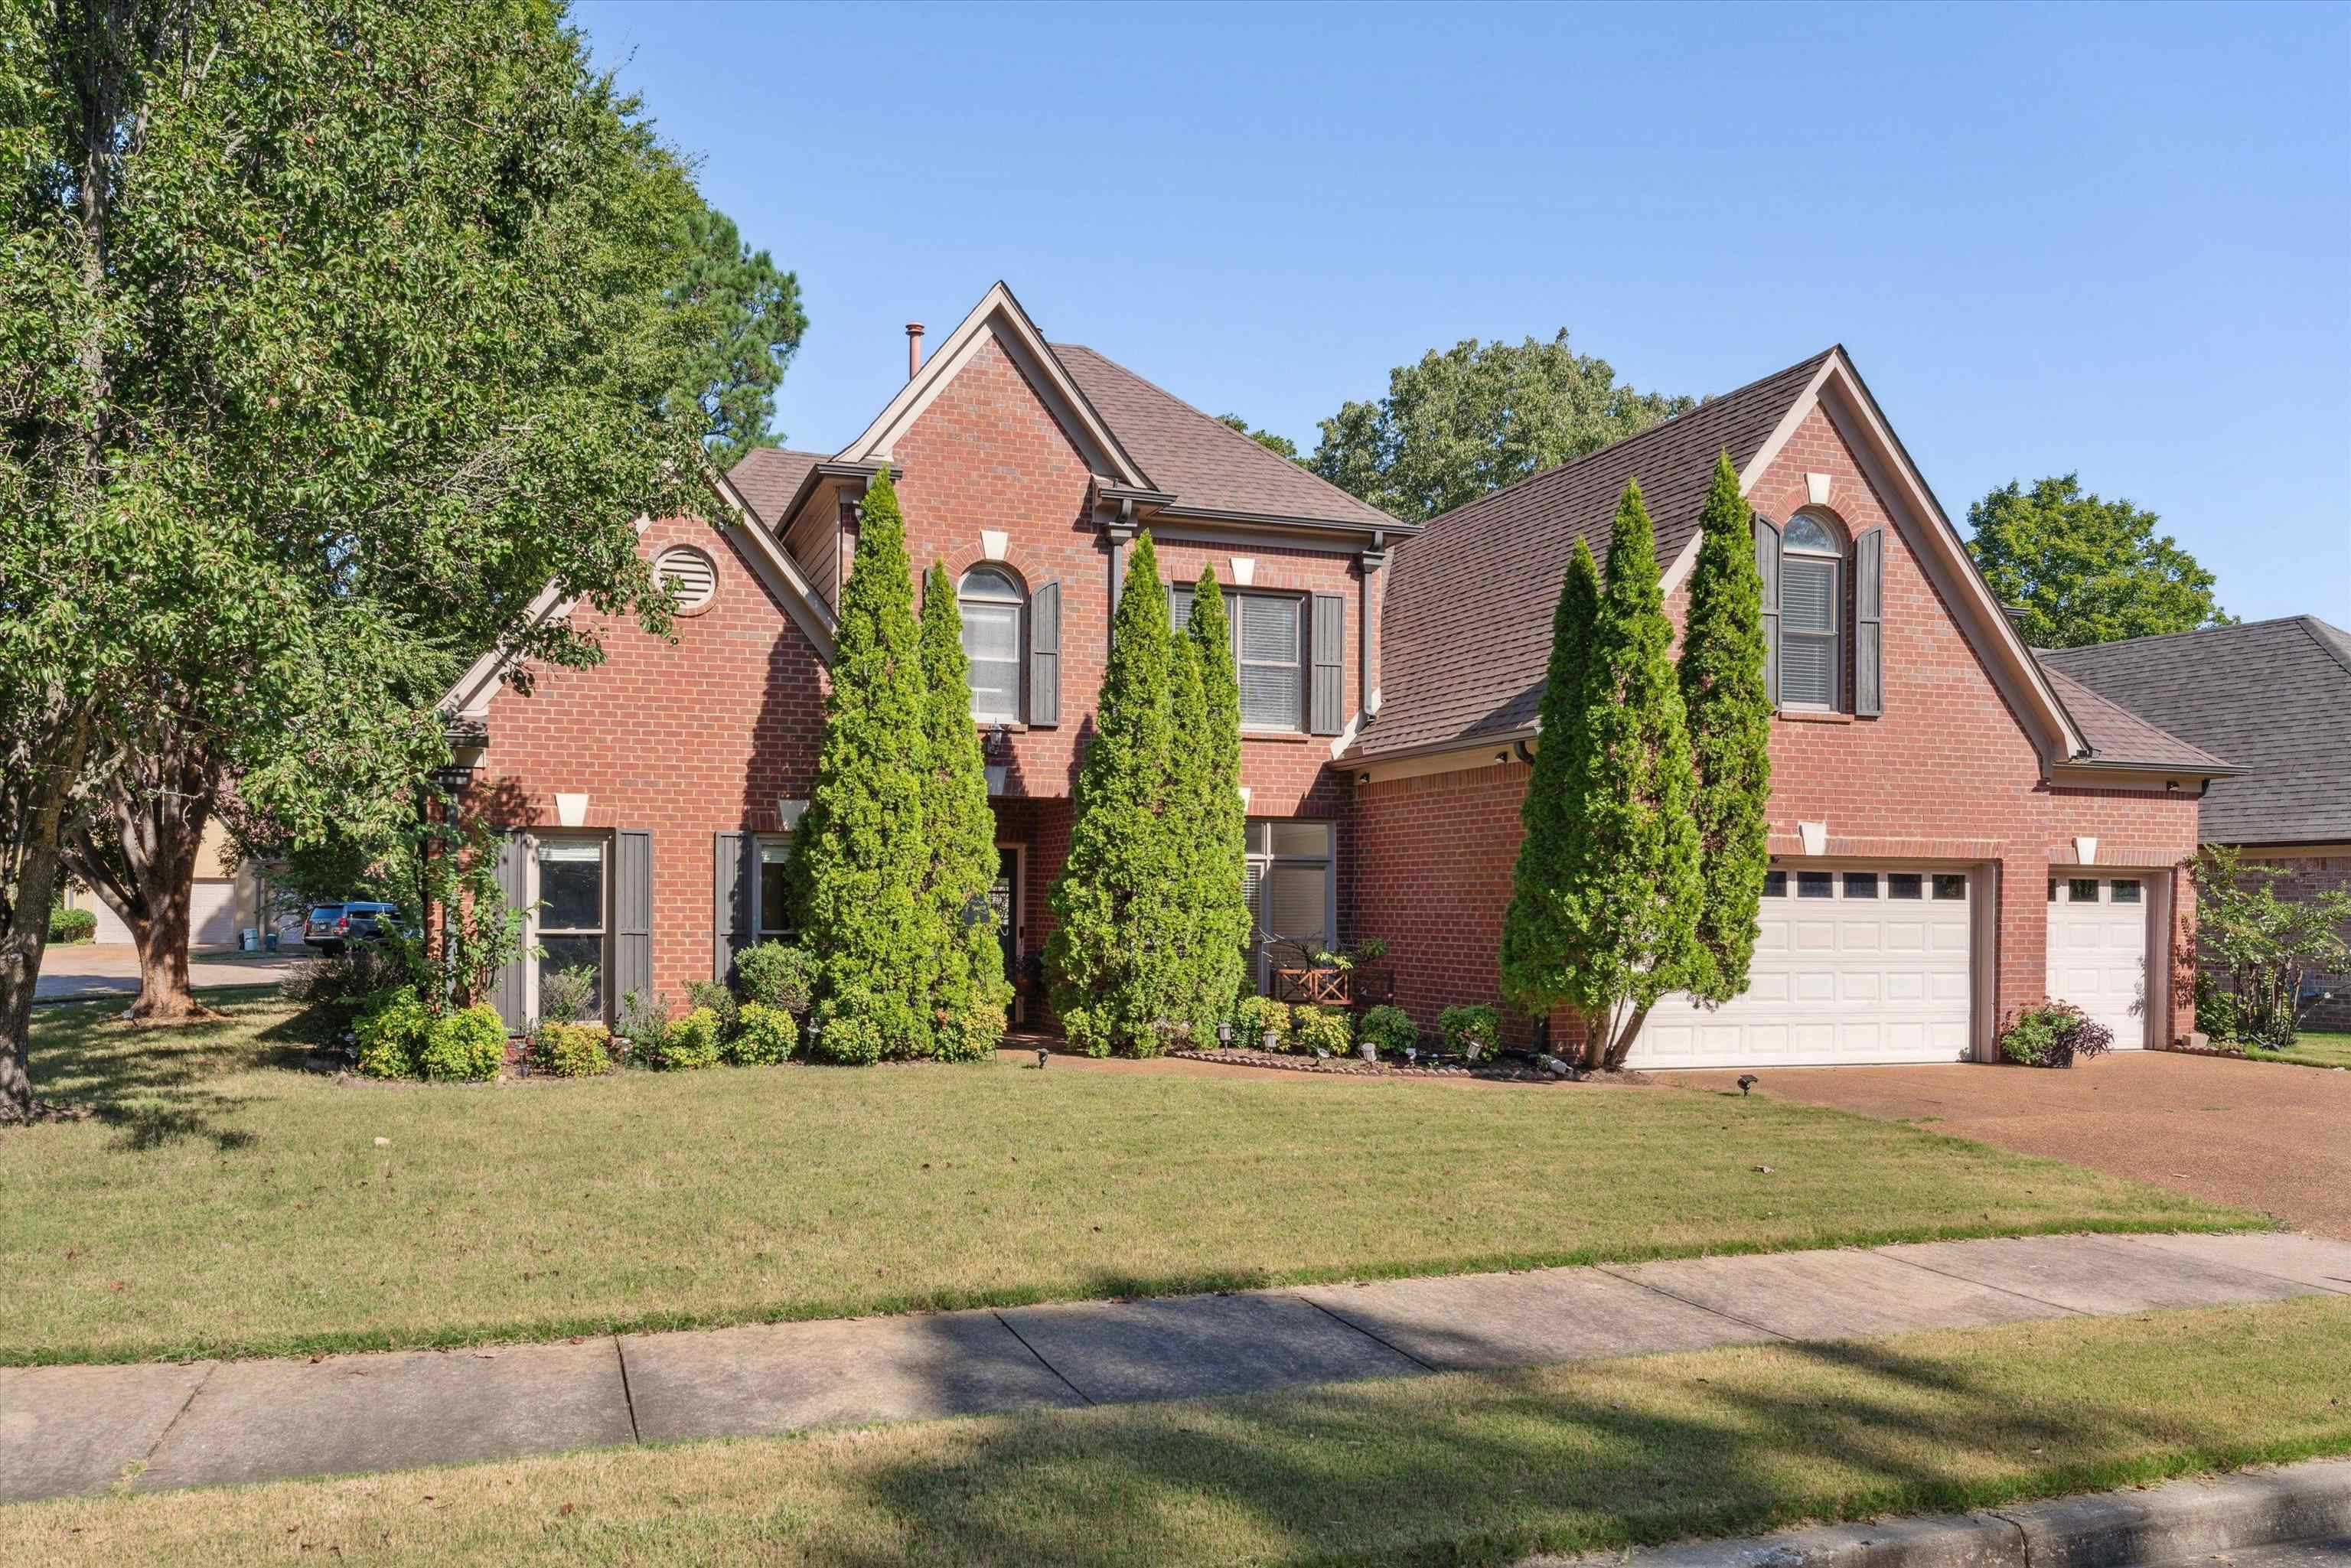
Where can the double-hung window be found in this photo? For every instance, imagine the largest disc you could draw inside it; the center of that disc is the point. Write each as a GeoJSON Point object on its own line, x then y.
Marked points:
{"type": "Point", "coordinates": [772, 919]}
{"type": "Point", "coordinates": [573, 925]}
{"type": "Point", "coordinates": [992, 609]}
{"type": "Point", "coordinates": [1811, 615]}
{"type": "Point", "coordinates": [1269, 654]}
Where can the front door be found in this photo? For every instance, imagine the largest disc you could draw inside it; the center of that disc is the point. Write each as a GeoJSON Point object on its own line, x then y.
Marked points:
{"type": "Point", "coordinates": [1004, 896]}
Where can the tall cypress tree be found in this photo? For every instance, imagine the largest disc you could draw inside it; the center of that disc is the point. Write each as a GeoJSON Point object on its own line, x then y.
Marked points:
{"type": "Point", "coordinates": [1215, 824]}
{"type": "Point", "coordinates": [1639, 890]}
{"type": "Point", "coordinates": [1542, 928]}
{"type": "Point", "coordinates": [860, 842]}
{"type": "Point", "coordinates": [1118, 934]}
{"type": "Point", "coordinates": [969, 994]}
{"type": "Point", "coordinates": [1728, 710]}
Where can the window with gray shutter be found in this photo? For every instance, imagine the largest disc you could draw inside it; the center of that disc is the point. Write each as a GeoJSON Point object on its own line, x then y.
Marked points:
{"type": "Point", "coordinates": [632, 912]}
{"type": "Point", "coordinates": [1767, 567]}
{"type": "Point", "coordinates": [732, 880]}
{"type": "Point", "coordinates": [1045, 655]}
{"type": "Point", "coordinates": [1271, 643]}
{"type": "Point", "coordinates": [1328, 699]}
{"type": "Point", "coordinates": [1811, 615]}
{"type": "Point", "coordinates": [513, 992]}
{"type": "Point", "coordinates": [1869, 623]}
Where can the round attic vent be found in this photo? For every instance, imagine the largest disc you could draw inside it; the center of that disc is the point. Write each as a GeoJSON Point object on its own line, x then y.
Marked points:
{"type": "Point", "coordinates": [687, 572]}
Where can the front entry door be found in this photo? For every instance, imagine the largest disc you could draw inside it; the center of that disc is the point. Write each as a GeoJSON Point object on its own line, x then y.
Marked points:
{"type": "Point", "coordinates": [1004, 896]}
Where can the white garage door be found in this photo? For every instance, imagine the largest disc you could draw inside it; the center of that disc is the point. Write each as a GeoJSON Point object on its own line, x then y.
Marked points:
{"type": "Point", "coordinates": [1851, 965]}
{"type": "Point", "coordinates": [109, 925]}
{"type": "Point", "coordinates": [211, 914]}
{"type": "Point", "coordinates": [2097, 951]}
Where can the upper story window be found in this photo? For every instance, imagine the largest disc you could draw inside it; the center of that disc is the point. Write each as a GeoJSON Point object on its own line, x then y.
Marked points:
{"type": "Point", "coordinates": [1269, 654]}
{"type": "Point", "coordinates": [1811, 613]}
{"type": "Point", "coordinates": [1817, 592]}
{"type": "Point", "coordinates": [993, 610]}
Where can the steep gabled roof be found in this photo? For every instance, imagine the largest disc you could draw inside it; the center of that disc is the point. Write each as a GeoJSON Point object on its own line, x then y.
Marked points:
{"type": "Point", "coordinates": [1465, 630]}
{"type": "Point", "coordinates": [1207, 465]}
{"type": "Point", "coordinates": [2274, 697]}
{"type": "Point", "coordinates": [2121, 738]}
{"type": "Point", "coordinates": [769, 477]}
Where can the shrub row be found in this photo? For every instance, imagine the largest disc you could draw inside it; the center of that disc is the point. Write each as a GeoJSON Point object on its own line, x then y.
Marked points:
{"type": "Point", "coordinates": [398, 1037]}
{"type": "Point", "coordinates": [1390, 1030]}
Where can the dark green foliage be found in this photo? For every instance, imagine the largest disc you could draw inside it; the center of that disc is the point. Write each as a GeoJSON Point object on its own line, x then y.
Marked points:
{"type": "Point", "coordinates": [391, 1030]}
{"type": "Point", "coordinates": [1471, 1024]}
{"type": "Point", "coordinates": [776, 976]}
{"type": "Point", "coordinates": [1544, 925]}
{"type": "Point", "coordinates": [467, 1045]}
{"type": "Point", "coordinates": [1389, 1028]}
{"type": "Point", "coordinates": [2084, 570]}
{"type": "Point", "coordinates": [752, 323]}
{"type": "Point", "coordinates": [571, 1050]}
{"type": "Point", "coordinates": [1478, 417]}
{"type": "Point", "coordinates": [72, 924]}
{"type": "Point", "coordinates": [2271, 944]}
{"type": "Point", "coordinates": [1118, 914]}
{"type": "Point", "coordinates": [1206, 816]}
{"type": "Point", "coordinates": [969, 996]}
{"type": "Point", "coordinates": [763, 1036]}
{"type": "Point", "coordinates": [691, 1042]}
{"type": "Point", "coordinates": [1279, 446]}
{"type": "Point", "coordinates": [862, 839]}
{"type": "Point", "coordinates": [2054, 1034]}
{"type": "Point", "coordinates": [1728, 709]}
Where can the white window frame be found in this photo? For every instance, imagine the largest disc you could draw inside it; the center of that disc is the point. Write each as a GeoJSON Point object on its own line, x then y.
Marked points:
{"type": "Point", "coordinates": [534, 928]}
{"type": "Point", "coordinates": [762, 929]}
{"type": "Point", "coordinates": [1839, 580]}
{"type": "Point", "coordinates": [1019, 606]}
{"type": "Point", "coordinates": [1304, 662]}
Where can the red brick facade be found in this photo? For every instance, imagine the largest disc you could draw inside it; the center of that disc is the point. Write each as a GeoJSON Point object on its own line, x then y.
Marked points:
{"type": "Point", "coordinates": [2308, 874]}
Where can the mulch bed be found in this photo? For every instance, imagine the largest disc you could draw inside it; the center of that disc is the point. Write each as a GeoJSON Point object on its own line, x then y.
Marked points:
{"type": "Point", "coordinates": [1504, 1071]}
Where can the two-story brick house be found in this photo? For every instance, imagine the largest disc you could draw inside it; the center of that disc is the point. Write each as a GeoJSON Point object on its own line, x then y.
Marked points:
{"type": "Point", "coordinates": [1930, 776]}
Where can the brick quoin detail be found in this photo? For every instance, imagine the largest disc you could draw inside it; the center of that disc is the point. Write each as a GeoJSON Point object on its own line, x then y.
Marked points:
{"type": "Point", "coordinates": [1947, 766]}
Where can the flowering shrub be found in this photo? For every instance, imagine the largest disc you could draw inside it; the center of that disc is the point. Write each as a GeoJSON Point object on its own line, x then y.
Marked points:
{"type": "Point", "coordinates": [2053, 1035]}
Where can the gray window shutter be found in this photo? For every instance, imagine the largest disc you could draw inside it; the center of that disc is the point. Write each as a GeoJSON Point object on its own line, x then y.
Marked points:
{"type": "Point", "coordinates": [511, 992]}
{"type": "Point", "coordinates": [1767, 567]}
{"type": "Point", "coordinates": [1045, 655]}
{"type": "Point", "coordinates": [1328, 693]}
{"type": "Point", "coordinates": [734, 879]}
{"type": "Point", "coordinates": [1869, 623]}
{"type": "Point", "coordinates": [632, 914]}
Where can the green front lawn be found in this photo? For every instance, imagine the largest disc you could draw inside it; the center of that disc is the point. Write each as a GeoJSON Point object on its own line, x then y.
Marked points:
{"type": "Point", "coordinates": [2312, 1048]}
{"type": "Point", "coordinates": [230, 1202]}
{"type": "Point", "coordinates": [1467, 1468]}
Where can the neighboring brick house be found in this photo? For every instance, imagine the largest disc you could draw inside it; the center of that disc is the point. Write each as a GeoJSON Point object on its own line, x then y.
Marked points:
{"type": "Point", "coordinates": [2275, 698]}
{"type": "Point", "coordinates": [1943, 775]}
{"type": "Point", "coordinates": [654, 796]}
{"type": "Point", "coordinates": [1955, 833]}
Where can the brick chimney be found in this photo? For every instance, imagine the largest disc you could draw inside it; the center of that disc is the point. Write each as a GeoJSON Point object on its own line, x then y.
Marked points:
{"type": "Point", "coordinates": [914, 349]}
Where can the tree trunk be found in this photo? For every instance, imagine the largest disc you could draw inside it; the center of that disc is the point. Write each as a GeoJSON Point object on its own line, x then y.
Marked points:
{"type": "Point", "coordinates": [138, 851]}
{"type": "Point", "coordinates": [1621, 1047]}
{"type": "Point", "coordinates": [28, 884]}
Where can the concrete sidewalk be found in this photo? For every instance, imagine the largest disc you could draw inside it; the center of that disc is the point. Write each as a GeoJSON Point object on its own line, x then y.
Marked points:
{"type": "Point", "coordinates": [78, 1429]}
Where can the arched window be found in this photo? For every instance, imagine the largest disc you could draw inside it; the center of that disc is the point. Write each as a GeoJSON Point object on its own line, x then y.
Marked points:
{"type": "Point", "coordinates": [993, 608]}
{"type": "Point", "coordinates": [1811, 613]}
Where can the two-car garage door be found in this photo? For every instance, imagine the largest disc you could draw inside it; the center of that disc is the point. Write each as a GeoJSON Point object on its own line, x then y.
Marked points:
{"type": "Point", "coordinates": [1851, 965]}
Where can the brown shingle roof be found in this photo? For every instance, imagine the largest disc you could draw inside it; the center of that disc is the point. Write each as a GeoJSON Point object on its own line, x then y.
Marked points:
{"type": "Point", "coordinates": [2118, 736]}
{"type": "Point", "coordinates": [1205, 464]}
{"type": "Point", "coordinates": [2274, 697]}
{"type": "Point", "coordinates": [1468, 619]}
{"type": "Point", "coordinates": [768, 477]}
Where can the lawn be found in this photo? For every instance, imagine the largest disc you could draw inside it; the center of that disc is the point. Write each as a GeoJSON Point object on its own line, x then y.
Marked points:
{"type": "Point", "coordinates": [229, 1203]}
{"type": "Point", "coordinates": [2312, 1048]}
{"type": "Point", "coordinates": [1467, 1468]}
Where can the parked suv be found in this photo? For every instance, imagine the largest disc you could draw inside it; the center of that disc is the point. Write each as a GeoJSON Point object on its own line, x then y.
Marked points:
{"type": "Point", "coordinates": [332, 926]}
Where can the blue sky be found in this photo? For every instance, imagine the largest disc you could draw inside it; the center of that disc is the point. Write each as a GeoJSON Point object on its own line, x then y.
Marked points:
{"type": "Point", "coordinates": [2110, 239]}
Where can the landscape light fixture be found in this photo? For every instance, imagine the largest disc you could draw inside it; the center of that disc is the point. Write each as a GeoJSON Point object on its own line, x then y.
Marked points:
{"type": "Point", "coordinates": [1043, 1056]}
{"type": "Point", "coordinates": [1225, 1035]}
{"type": "Point", "coordinates": [1747, 1083]}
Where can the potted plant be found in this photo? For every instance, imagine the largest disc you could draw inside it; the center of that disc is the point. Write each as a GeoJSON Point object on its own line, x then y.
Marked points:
{"type": "Point", "coordinates": [1472, 1030]}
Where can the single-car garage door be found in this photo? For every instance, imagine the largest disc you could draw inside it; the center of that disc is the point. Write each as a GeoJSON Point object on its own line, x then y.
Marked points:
{"type": "Point", "coordinates": [1851, 965]}
{"type": "Point", "coordinates": [2097, 951]}
{"type": "Point", "coordinates": [211, 914]}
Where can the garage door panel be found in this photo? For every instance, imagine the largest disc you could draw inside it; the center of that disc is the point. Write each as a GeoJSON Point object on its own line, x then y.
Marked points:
{"type": "Point", "coordinates": [1836, 980]}
{"type": "Point", "coordinates": [2099, 951]}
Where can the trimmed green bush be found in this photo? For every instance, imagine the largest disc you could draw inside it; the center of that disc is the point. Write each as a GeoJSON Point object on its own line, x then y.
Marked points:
{"type": "Point", "coordinates": [845, 1034]}
{"type": "Point", "coordinates": [2216, 1009]}
{"type": "Point", "coordinates": [70, 926]}
{"type": "Point", "coordinates": [776, 976]}
{"type": "Point", "coordinates": [692, 1042]}
{"type": "Point", "coordinates": [971, 1035]}
{"type": "Point", "coordinates": [571, 1050]}
{"type": "Point", "coordinates": [391, 1030]}
{"type": "Point", "coordinates": [1329, 1028]}
{"type": "Point", "coordinates": [764, 1035]}
{"type": "Point", "coordinates": [709, 996]}
{"type": "Point", "coordinates": [1389, 1028]}
{"type": "Point", "coordinates": [1254, 1015]}
{"type": "Point", "coordinates": [465, 1046]}
{"type": "Point", "coordinates": [1208, 823]}
{"type": "Point", "coordinates": [1472, 1024]}
{"type": "Point", "coordinates": [2053, 1035]}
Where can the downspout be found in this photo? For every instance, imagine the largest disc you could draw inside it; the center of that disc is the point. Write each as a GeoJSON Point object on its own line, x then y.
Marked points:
{"type": "Point", "coordinates": [1119, 534]}
{"type": "Point", "coordinates": [1372, 561]}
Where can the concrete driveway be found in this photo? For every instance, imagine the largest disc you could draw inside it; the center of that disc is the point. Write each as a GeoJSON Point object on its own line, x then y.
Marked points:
{"type": "Point", "coordinates": [111, 969]}
{"type": "Point", "coordinates": [2259, 1135]}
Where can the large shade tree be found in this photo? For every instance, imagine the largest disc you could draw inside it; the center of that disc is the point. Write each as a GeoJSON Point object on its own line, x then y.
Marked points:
{"type": "Point", "coordinates": [1478, 416]}
{"type": "Point", "coordinates": [755, 323]}
{"type": "Point", "coordinates": [332, 338]}
{"type": "Point", "coordinates": [2086, 569]}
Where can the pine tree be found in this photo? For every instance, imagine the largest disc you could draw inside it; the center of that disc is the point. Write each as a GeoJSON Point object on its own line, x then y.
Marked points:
{"type": "Point", "coordinates": [1727, 708]}
{"type": "Point", "coordinates": [969, 994]}
{"type": "Point", "coordinates": [1214, 823]}
{"type": "Point", "coordinates": [861, 841]}
{"type": "Point", "coordinates": [1118, 939]}
{"type": "Point", "coordinates": [1544, 925]}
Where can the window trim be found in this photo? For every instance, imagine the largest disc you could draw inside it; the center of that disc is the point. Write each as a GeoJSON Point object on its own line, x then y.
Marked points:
{"type": "Point", "coordinates": [535, 926]}
{"type": "Point", "coordinates": [1019, 605]}
{"type": "Point", "coordinates": [1838, 558]}
{"type": "Point", "coordinates": [1263, 862]}
{"type": "Point", "coordinates": [1303, 601]}
{"type": "Point", "coordinates": [761, 931]}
